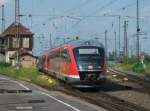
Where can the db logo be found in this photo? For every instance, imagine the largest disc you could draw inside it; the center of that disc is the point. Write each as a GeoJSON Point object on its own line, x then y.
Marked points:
{"type": "Point", "coordinates": [90, 67]}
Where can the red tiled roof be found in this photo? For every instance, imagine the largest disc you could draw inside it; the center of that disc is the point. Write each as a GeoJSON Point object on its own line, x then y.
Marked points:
{"type": "Point", "coordinates": [17, 29]}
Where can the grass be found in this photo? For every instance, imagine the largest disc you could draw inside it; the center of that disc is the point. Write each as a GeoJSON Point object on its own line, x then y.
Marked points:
{"type": "Point", "coordinates": [137, 67]}
{"type": "Point", "coordinates": [27, 74]}
{"type": "Point", "coordinates": [147, 70]}
{"type": "Point", "coordinates": [124, 66]}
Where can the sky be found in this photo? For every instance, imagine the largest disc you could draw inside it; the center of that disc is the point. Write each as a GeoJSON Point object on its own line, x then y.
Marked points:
{"type": "Point", "coordinates": [63, 20]}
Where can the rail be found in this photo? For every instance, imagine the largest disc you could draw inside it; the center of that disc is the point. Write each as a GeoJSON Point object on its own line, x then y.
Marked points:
{"type": "Point", "coordinates": [101, 99]}
{"type": "Point", "coordinates": [141, 80]}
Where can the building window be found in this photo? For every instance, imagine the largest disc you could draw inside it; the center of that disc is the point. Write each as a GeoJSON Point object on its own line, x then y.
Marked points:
{"type": "Point", "coordinates": [0, 41]}
{"type": "Point", "coordinates": [26, 42]}
{"type": "Point", "coordinates": [15, 43]}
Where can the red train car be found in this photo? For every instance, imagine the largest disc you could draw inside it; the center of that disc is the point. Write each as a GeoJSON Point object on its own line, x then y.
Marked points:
{"type": "Point", "coordinates": [76, 61]}
{"type": "Point", "coordinates": [42, 61]}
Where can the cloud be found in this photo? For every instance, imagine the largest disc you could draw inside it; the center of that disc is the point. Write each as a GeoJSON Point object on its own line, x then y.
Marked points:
{"type": "Point", "coordinates": [2, 2]}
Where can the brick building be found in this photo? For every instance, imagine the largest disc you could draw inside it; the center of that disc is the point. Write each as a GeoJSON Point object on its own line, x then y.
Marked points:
{"type": "Point", "coordinates": [27, 60]}
{"type": "Point", "coordinates": [2, 49]}
{"type": "Point", "coordinates": [14, 38]}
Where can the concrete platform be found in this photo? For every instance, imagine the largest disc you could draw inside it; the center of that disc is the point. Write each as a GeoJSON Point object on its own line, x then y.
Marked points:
{"type": "Point", "coordinates": [39, 99]}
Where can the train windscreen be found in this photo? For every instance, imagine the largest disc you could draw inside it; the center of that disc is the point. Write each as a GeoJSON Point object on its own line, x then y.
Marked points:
{"type": "Point", "coordinates": [88, 51]}
{"type": "Point", "coordinates": [89, 58]}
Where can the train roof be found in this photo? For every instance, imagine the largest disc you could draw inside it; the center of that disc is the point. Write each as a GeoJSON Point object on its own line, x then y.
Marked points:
{"type": "Point", "coordinates": [75, 44]}
{"type": "Point", "coordinates": [79, 43]}
{"type": "Point", "coordinates": [44, 53]}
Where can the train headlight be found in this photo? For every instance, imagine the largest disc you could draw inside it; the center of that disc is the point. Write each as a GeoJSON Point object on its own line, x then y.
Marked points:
{"type": "Point", "coordinates": [80, 67]}
{"type": "Point", "coordinates": [107, 71]}
{"type": "Point", "coordinates": [99, 67]}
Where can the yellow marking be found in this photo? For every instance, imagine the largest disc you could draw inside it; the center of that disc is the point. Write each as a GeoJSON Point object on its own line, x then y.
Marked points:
{"type": "Point", "coordinates": [50, 81]}
{"type": "Point", "coordinates": [125, 79]}
{"type": "Point", "coordinates": [114, 75]}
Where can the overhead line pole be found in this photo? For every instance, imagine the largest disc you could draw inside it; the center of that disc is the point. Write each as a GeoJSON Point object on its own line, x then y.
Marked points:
{"type": "Point", "coordinates": [124, 47]}
{"type": "Point", "coordinates": [17, 12]}
{"type": "Point", "coordinates": [138, 31]}
{"type": "Point", "coordinates": [17, 22]}
{"type": "Point", "coordinates": [119, 35]}
{"type": "Point", "coordinates": [106, 43]}
{"type": "Point", "coordinates": [125, 41]}
{"type": "Point", "coordinates": [51, 46]}
{"type": "Point", "coordinates": [119, 23]}
{"type": "Point", "coordinates": [3, 19]}
{"type": "Point", "coordinates": [115, 45]}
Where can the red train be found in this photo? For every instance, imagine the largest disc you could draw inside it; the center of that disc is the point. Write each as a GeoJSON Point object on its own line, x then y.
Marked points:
{"type": "Point", "coordinates": [76, 61]}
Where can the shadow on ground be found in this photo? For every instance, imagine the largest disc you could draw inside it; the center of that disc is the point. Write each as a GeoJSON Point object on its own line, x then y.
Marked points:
{"type": "Point", "coordinates": [107, 86]}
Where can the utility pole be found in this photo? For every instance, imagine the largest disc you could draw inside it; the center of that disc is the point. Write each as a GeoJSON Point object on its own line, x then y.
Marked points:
{"type": "Point", "coordinates": [124, 53]}
{"type": "Point", "coordinates": [131, 51]}
{"type": "Point", "coordinates": [115, 45]}
{"type": "Point", "coordinates": [40, 42]}
{"type": "Point", "coordinates": [125, 41]}
{"type": "Point", "coordinates": [119, 23]}
{"type": "Point", "coordinates": [138, 31]}
{"type": "Point", "coordinates": [50, 41]}
{"type": "Point", "coordinates": [17, 12]}
{"type": "Point", "coordinates": [31, 17]}
{"type": "Point", "coordinates": [3, 19]}
{"type": "Point", "coordinates": [119, 35]}
{"type": "Point", "coordinates": [17, 22]}
{"type": "Point", "coordinates": [106, 43]}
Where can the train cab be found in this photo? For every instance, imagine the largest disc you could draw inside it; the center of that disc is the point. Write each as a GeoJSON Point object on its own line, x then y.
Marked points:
{"type": "Point", "coordinates": [90, 60]}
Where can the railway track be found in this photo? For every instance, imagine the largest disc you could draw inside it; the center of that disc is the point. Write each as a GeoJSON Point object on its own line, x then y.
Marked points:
{"type": "Point", "coordinates": [113, 103]}
{"type": "Point", "coordinates": [140, 80]}
{"type": "Point", "coordinates": [100, 98]}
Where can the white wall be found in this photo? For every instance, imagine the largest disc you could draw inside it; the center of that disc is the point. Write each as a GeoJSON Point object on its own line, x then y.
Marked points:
{"type": "Point", "coordinates": [2, 58]}
{"type": "Point", "coordinates": [8, 55]}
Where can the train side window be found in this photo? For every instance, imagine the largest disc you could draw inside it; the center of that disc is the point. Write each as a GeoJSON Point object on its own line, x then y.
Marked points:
{"type": "Point", "coordinates": [65, 54]}
{"type": "Point", "coordinates": [49, 57]}
{"type": "Point", "coordinates": [43, 59]}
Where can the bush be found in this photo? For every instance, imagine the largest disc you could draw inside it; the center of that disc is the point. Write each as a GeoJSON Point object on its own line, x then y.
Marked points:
{"type": "Point", "coordinates": [147, 69]}
{"type": "Point", "coordinates": [147, 59]}
{"type": "Point", "coordinates": [132, 60]}
{"type": "Point", "coordinates": [138, 67]}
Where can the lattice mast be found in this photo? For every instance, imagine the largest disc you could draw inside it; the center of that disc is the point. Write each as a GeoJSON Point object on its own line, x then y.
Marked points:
{"type": "Point", "coordinates": [3, 19]}
{"type": "Point", "coordinates": [17, 12]}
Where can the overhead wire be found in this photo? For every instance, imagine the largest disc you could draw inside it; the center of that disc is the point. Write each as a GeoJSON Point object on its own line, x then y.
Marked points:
{"type": "Point", "coordinates": [105, 6]}
{"type": "Point", "coordinates": [79, 6]}
{"type": "Point", "coordinates": [127, 6]}
{"type": "Point", "coordinates": [99, 9]}
{"type": "Point", "coordinates": [53, 17]}
{"type": "Point", "coordinates": [82, 17]}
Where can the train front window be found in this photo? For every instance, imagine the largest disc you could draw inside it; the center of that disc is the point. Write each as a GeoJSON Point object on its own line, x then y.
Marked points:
{"type": "Point", "coordinates": [87, 56]}
{"type": "Point", "coordinates": [87, 52]}
{"type": "Point", "coordinates": [93, 51]}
